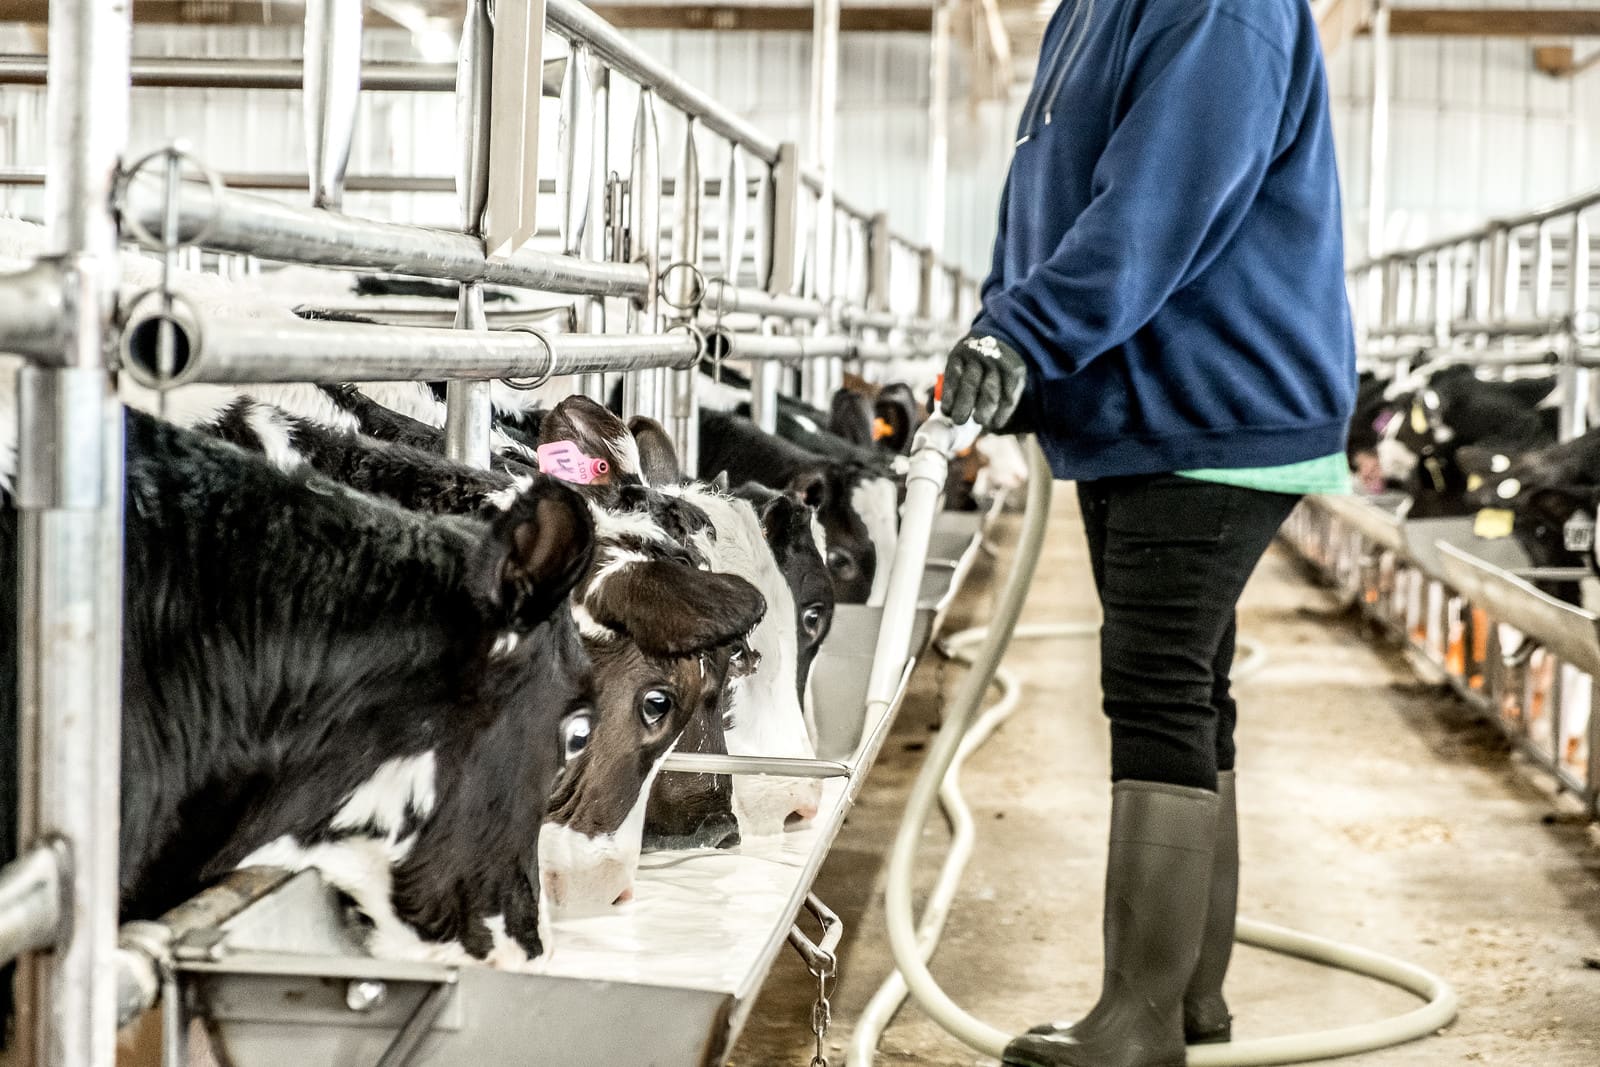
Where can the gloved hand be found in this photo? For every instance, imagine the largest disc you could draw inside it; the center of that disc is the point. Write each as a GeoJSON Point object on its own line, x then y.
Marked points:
{"type": "Point", "coordinates": [984, 379]}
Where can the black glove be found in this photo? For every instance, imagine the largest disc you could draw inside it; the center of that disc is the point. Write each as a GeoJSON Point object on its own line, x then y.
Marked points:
{"type": "Point", "coordinates": [984, 379]}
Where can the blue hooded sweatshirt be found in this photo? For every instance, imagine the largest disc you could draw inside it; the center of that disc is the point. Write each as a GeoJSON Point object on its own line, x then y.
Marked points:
{"type": "Point", "coordinates": [1170, 259]}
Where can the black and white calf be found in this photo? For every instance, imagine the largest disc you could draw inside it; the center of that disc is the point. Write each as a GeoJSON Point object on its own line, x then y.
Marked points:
{"type": "Point", "coordinates": [858, 508]}
{"type": "Point", "coordinates": [316, 678]}
{"type": "Point", "coordinates": [662, 630]}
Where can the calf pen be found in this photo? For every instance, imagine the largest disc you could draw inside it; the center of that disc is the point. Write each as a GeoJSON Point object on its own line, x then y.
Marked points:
{"type": "Point", "coordinates": [789, 279]}
{"type": "Point", "coordinates": [1513, 295]}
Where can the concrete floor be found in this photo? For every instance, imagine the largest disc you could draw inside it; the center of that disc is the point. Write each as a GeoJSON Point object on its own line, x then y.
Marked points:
{"type": "Point", "coordinates": [1374, 810]}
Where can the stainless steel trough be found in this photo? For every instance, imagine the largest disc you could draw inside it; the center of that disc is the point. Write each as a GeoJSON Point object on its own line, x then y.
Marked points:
{"type": "Point", "coordinates": [667, 979]}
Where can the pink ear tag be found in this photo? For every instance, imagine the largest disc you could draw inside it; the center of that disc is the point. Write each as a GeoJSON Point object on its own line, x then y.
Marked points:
{"type": "Point", "coordinates": [565, 460]}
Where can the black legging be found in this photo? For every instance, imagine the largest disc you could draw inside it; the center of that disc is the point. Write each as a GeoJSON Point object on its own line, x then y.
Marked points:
{"type": "Point", "coordinates": [1171, 556]}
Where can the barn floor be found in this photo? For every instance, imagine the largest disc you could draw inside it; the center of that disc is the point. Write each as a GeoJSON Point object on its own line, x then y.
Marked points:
{"type": "Point", "coordinates": [1373, 809]}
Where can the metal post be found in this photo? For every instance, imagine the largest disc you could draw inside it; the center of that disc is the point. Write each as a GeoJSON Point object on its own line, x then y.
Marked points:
{"type": "Point", "coordinates": [938, 126]}
{"type": "Point", "coordinates": [1579, 318]}
{"type": "Point", "coordinates": [594, 234]}
{"type": "Point", "coordinates": [880, 256]}
{"type": "Point", "coordinates": [1378, 132]}
{"type": "Point", "coordinates": [332, 71]}
{"type": "Point", "coordinates": [641, 392]}
{"type": "Point", "coordinates": [814, 374]}
{"type": "Point", "coordinates": [735, 215]}
{"type": "Point", "coordinates": [469, 413]}
{"type": "Point", "coordinates": [684, 424]}
{"type": "Point", "coordinates": [784, 276]}
{"type": "Point", "coordinates": [69, 492]}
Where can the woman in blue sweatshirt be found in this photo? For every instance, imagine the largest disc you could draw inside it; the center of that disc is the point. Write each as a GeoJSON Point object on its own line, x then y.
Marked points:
{"type": "Point", "coordinates": [1167, 312]}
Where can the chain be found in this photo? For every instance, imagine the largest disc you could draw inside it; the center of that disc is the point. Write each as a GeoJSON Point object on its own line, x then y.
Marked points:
{"type": "Point", "coordinates": [822, 1010]}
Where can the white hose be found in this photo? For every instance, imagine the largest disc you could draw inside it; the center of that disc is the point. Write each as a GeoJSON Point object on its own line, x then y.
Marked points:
{"type": "Point", "coordinates": [939, 780]}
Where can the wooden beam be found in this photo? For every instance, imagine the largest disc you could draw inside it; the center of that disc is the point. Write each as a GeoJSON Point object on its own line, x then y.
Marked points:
{"type": "Point", "coordinates": [891, 19]}
{"type": "Point", "coordinates": [1493, 22]}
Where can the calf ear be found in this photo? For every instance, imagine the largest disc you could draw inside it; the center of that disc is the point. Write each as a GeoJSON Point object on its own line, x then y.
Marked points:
{"type": "Point", "coordinates": [811, 486]}
{"type": "Point", "coordinates": [672, 609]}
{"type": "Point", "coordinates": [658, 460]}
{"type": "Point", "coordinates": [534, 553]}
{"type": "Point", "coordinates": [850, 417]}
{"type": "Point", "coordinates": [598, 432]}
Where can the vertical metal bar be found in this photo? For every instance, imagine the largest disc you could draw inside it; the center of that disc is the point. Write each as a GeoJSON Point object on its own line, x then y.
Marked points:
{"type": "Point", "coordinates": [762, 241]}
{"type": "Point", "coordinates": [1444, 288]}
{"type": "Point", "coordinates": [594, 233]}
{"type": "Point", "coordinates": [575, 137]}
{"type": "Point", "coordinates": [814, 374]}
{"type": "Point", "coordinates": [784, 232]}
{"type": "Point", "coordinates": [925, 276]}
{"type": "Point", "coordinates": [1577, 305]}
{"type": "Point", "coordinates": [1378, 133]}
{"type": "Point", "coordinates": [1500, 271]}
{"type": "Point", "coordinates": [764, 377]}
{"type": "Point", "coordinates": [685, 421]}
{"type": "Point", "coordinates": [642, 390]}
{"type": "Point", "coordinates": [735, 214]}
{"type": "Point", "coordinates": [880, 257]}
{"type": "Point", "coordinates": [938, 125]}
{"type": "Point", "coordinates": [69, 492]}
{"type": "Point", "coordinates": [1543, 270]}
{"type": "Point", "coordinates": [469, 415]}
{"type": "Point", "coordinates": [332, 73]}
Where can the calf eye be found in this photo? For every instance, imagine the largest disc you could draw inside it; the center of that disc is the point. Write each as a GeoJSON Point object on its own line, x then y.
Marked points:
{"type": "Point", "coordinates": [656, 705]}
{"type": "Point", "coordinates": [841, 565]}
{"type": "Point", "coordinates": [811, 620]}
{"type": "Point", "coordinates": [728, 721]}
{"type": "Point", "coordinates": [575, 731]}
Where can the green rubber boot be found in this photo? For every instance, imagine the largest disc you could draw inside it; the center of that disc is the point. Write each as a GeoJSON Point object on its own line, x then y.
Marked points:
{"type": "Point", "coordinates": [1158, 878]}
{"type": "Point", "coordinates": [1206, 1020]}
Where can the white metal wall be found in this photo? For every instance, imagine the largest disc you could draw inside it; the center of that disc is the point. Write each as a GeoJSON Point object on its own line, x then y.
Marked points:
{"type": "Point", "coordinates": [882, 144]}
{"type": "Point", "coordinates": [1476, 131]}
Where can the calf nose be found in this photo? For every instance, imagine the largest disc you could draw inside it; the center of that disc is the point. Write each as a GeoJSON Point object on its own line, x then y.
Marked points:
{"type": "Point", "coordinates": [624, 896]}
{"type": "Point", "coordinates": [803, 812]}
{"type": "Point", "coordinates": [720, 831]}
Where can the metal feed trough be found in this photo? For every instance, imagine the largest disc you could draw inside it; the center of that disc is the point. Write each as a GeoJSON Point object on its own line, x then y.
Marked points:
{"type": "Point", "coordinates": [675, 972]}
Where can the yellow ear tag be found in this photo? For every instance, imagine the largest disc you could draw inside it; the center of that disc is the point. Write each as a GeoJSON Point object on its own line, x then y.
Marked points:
{"type": "Point", "coordinates": [1491, 524]}
{"type": "Point", "coordinates": [1419, 419]}
{"type": "Point", "coordinates": [1474, 481]}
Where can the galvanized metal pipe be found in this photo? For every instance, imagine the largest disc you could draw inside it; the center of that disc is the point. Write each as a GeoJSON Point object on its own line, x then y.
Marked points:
{"type": "Point", "coordinates": [683, 406]}
{"type": "Point", "coordinates": [332, 97]}
{"type": "Point", "coordinates": [775, 766]}
{"type": "Point", "coordinates": [69, 493]}
{"type": "Point", "coordinates": [233, 350]}
{"type": "Point", "coordinates": [198, 72]}
{"type": "Point", "coordinates": [594, 232]}
{"type": "Point", "coordinates": [735, 193]}
{"type": "Point", "coordinates": [469, 410]}
{"type": "Point", "coordinates": [31, 309]}
{"type": "Point", "coordinates": [644, 392]}
{"type": "Point", "coordinates": [724, 344]}
{"type": "Point", "coordinates": [30, 901]}
{"type": "Point", "coordinates": [259, 226]}
{"type": "Point", "coordinates": [722, 298]}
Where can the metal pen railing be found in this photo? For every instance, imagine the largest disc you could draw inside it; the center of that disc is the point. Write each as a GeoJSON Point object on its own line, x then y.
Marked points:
{"type": "Point", "coordinates": [1515, 285]}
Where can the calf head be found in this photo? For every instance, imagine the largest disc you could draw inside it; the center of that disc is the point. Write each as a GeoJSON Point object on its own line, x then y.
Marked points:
{"type": "Point", "coordinates": [797, 544]}
{"type": "Point", "coordinates": [765, 716]}
{"type": "Point", "coordinates": [850, 416]}
{"type": "Point", "coordinates": [696, 810]}
{"type": "Point", "coordinates": [399, 728]}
